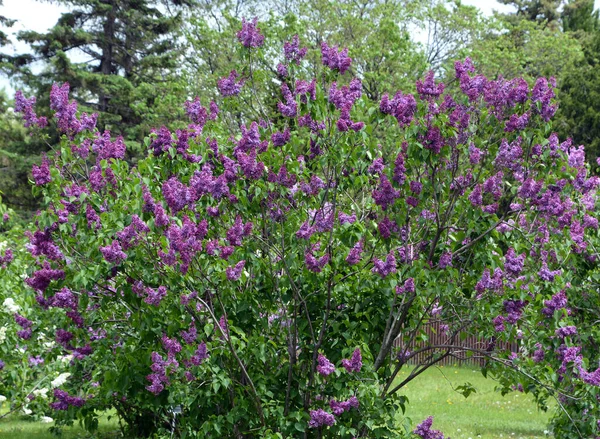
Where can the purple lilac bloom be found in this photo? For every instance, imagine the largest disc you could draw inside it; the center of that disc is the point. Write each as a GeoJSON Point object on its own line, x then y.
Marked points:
{"type": "Point", "coordinates": [334, 59]}
{"type": "Point", "coordinates": [282, 70]}
{"type": "Point", "coordinates": [543, 93]}
{"type": "Point", "coordinates": [176, 194]}
{"type": "Point", "coordinates": [25, 106]}
{"type": "Point", "coordinates": [234, 273]}
{"type": "Point", "coordinates": [445, 260]}
{"type": "Point", "coordinates": [171, 345]}
{"type": "Point", "coordinates": [64, 400]}
{"type": "Point", "coordinates": [312, 263]}
{"type": "Point", "coordinates": [281, 138]}
{"type": "Point", "coordinates": [354, 364]}
{"type": "Point", "coordinates": [250, 35]}
{"type": "Point", "coordinates": [513, 263]}
{"type": "Point", "coordinates": [425, 432]}
{"type": "Point", "coordinates": [476, 197]}
{"type": "Point", "coordinates": [41, 243]}
{"type": "Point", "coordinates": [155, 296]}
{"type": "Point", "coordinates": [292, 50]}
{"type": "Point", "coordinates": [566, 331]}
{"type": "Point", "coordinates": [538, 354]}
{"type": "Point", "coordinates": [353, 257]}
{"type": "Point", "coordinates": [324, 366]}
{"type": "Point", "coordinates": [290, 107]}
{"type": "Point", "coordinates": [558, 301]}
{"type": "Point", "coordinates": [517, 123]}
{"type": "Point", "coordinates": [399, 169]}
{"type": "Point", "coordinates": [386, 268]}
{"type": "Point", "coordinates": [427, 88]}
{"type": "Point", "coordinates": [386, 227]}
{"type": "Point", "coordinates": [113, 253]}
{"type": "Point", "coordinates": [475, 155]}
{"type": "Point", "coordinates": [41, 174]}
{"type": "Point", "coordinates": [385, 195]}
{"type": "Point", "coordinates": [402, 107]}
{"type": "Point", "coordinates": [343, 406]}
{"type": "Point", "coordinates": [42, 278]}
{"type": "Point", "coordinates": [105, 148]}
{"type": "Point", "coordinates": [200, 355]}
{"type": "Point", "coordinates": [229, 85]}
{"type": "Point", "coordinates": [344, 218]}
{"type": "Point", "coordinates": [320, 418]}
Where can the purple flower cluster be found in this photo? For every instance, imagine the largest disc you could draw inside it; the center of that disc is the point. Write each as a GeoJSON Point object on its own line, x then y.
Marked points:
{"type": "Point", "coordinates": [408, 287]}
{"type": "Point", "coordinates": [229, 85]}
{"type": "Point", "coordinates": [541, 96]}
{"type": "Point", "coordinates": [106, 149]}
{"type": "Point", "coordinates": [313, 263]}
{"type": "Point", "coordinates": [25, 106]}
{"type": "Point", "coordinates": [198, 114]}
{"type": "Point", "coordinates": [355, 253]}
{"type": "Point", "coordinates": [66, 112]}
{"type": "Point", "coordinates": [41, 278]}
{"type": "Point", "coordinates": [250, 35]}
{"type": "Point", "coordinates": [320, 418]}
{"type": "Point", "coordinates": [567, 331]}
{"type": "Point", "coordinates": [130, 235]}
{"type": "Point", "coordinates": [428, 89]}
{"type": "Point", "coordinates": [26, 324]}
{"type": "Point", "coordinates": [343, 406]}
{"type": "Point", "coordinates": [425, 432]}
{"type": "Point", "coordinates": [334, 59]}
{"type": "Point", "coordinates": [113, 253]}
{"type": "Point", "coordinates": [200, 355]}
{"type": "Point", "coordinates": [7, 258]}
{"type": "Point", "coordinates": [292, 51]}
{"type": "Point", "coordinates": [234, 273]}
{"type": "Point", "coordinates": [64, 400]}
{"type": "Point", "coordinates": [402, 107]}
{"type": "Point", "coordinates": [155, 296]}
{"type": "Point", "coordinates": [41, 174]}
{"type": "Point", "coordinates": [354, 364]}
{"type": "Point", "coordinates": [513, 263]}
{"type": "Point", "coordinates": [159, 378]}
{"type": "Point", "coordinates": [385, 268]}
{"type": "Point", "coordinates": [491, 282]}
{"type": "Point", "coordinates": [280, 138]}
{"type": "Point", "coordinates": [385, 195]}
{"type": "Point", "coordinates": [290, 107]}
{"type": "Point", "coordinates": [324, 366]}
{"type": "Point", "coordinates": [41, 243]}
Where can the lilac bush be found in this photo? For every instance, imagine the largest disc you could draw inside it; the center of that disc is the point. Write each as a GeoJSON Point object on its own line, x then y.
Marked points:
{"type": "Point", "coordinates": [270, 279]}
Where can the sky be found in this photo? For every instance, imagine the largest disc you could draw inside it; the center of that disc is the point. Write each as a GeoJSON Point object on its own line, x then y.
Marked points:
{"type": "Point", "coordinates": [33, 15]}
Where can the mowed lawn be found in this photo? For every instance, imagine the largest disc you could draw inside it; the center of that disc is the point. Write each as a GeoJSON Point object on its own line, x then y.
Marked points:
{"type": "Point", "coordinates": [485, 414]}
{"type": "Point", "coordinates": [22, 427]}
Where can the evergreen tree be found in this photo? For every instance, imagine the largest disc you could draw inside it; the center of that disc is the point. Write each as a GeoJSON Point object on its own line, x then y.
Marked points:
{"type": "Point", "coordinates": [117, 55]}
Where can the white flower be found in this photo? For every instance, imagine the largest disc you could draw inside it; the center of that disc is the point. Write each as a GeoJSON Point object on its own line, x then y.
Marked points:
{"type": "Point", "coordinates": [2, 334]}
{"type": "Point", "coordinates": [60, 380]}
{"type": "Point", "coordinates": [46, 419]}
{"type": "Point", "coordinates": [27, 411]}
{"type": "Point", "coordinates": [65, 359]}
{"type": "Point", "coordinates": [2, 399]}
{"type": "Point", "coordinates": [42, 393]}
{"type": "Point", "coordinates": [10, 305]}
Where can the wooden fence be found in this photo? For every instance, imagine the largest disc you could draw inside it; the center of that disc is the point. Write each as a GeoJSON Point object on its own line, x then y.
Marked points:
{"type": "Point", "coordinates": [468, 342]}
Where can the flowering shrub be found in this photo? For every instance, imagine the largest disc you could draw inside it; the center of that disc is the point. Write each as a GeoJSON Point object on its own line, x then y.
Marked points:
{"type": "Point", "coordinates": [253, 282]}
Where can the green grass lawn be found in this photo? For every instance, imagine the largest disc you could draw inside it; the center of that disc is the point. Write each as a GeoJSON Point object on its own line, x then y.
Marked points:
{"type": "Point", "coordinates": [485, 414]}
{"type": "Point", "coordinates": [23, 427]}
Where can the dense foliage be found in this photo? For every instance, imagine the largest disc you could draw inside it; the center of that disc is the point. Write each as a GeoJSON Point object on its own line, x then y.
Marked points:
{"type": "Point", "coordinates": [252, 280]}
